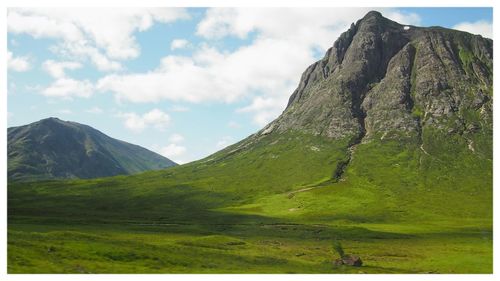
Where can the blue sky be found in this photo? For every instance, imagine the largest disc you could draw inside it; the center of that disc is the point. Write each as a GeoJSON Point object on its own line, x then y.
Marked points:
{"type": "Point", "coordinates": [182, 82]}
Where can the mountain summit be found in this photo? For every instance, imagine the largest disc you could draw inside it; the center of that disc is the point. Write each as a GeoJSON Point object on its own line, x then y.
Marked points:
{"type": "Point", "coordinates": [52, 148]}
{"type": "Point", "coordinates": [382, 78]}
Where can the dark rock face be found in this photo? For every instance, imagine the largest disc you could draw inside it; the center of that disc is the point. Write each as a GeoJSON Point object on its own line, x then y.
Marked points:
{"type": "Point", "coordinates": [350, 260]}
{"type": "Point", "coordinates": [52, 148]}
{"type": "Point", "coordinates": [383, 79]}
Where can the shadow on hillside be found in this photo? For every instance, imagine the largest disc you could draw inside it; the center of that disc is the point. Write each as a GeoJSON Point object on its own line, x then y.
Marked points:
{"type": "Point", "coordinates": [173, 209]}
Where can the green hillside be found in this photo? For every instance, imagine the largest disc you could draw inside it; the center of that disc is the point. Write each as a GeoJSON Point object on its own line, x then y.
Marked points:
{"type": "Point", "coordinates": [56, 149]}
{"type": "Point", "coordinates": [393, 211]}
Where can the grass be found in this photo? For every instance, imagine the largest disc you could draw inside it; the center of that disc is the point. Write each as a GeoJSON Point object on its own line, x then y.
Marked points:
{"type": "Point", "coordinates": [467, 58]}
{"type": "Point", "coordinates": [269, 208]}
{"type": "Point", "coordinates": [250, 249]}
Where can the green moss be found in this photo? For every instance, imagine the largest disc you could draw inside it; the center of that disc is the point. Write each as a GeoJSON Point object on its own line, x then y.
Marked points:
{"type": "Point", "coordinates": [467, 58]}
{"type": "Point", "coordinates": [416, 112]}
{"type": "Point", "coordinates": [413, 75]}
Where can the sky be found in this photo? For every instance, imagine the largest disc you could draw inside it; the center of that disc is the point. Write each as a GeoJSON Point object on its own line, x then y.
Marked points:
{"type": "Point", "coordinates": [183, 82]}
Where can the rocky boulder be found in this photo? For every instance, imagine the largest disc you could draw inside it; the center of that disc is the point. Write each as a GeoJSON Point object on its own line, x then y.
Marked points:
{"type": "Point", "coordinates": [350, 260]}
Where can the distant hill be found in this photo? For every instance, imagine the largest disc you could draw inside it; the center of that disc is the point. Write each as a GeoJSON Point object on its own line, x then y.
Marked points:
{"type": "Point", "coordinates": [52, 148]}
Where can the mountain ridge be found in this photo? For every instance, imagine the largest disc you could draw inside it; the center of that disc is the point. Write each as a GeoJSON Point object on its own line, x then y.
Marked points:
{"type": "Point", "coordinates": [54, 149]}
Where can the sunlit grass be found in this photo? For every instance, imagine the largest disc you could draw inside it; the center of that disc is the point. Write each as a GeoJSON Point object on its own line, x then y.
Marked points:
{"type": "Point", "coordinates": [398, 208]}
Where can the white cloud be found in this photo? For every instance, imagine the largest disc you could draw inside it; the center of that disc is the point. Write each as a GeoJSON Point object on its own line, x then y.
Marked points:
{"type": "Point", "coordinates": [157, 118]}
{"type": "Point", "coordinates": [63, 86]}
{"type": "Point", "coordinates": [481, 27]}
{"type": "Point", "coordinates": [133, 122]}
{"type": "Point", "coordinates": [57, 69]}
{"type": "Point", "coordinates": [154, 118]}
{"type": "Point", "coordinates": [224, 141]}
{"type": "Point", "coordinates": [179, 44]}
{"type": "Point", "coordinates": [40, 24]}
{"type": "Point", "coordinates": [265, 109]}
{"type": "Point", "coordinates": [217, 76]}
{"type": "Point", "coordinates": [308, 24]}
{"type": "Point", "coordinates": [176, 138]}
{"type": "Point", "coordinates": [233, 125]}
{"type": "Point", "coordinates": [173, 152]}
{"type": "Point", "coordinates": [179, 108]}
{"type": "Point", "coordinates": [19, 64]}
{"type": "Point", "coordinates": [402, 18]}
{"type": "Point", "coordinates": [84, 32]}
{"type": "Point", "coordinates": [68, 88]}
{"type": "Point", "coordinates": [266, 71]}
{"type": "Point", "coordinates": [76, 51]}
{"type": "Point", "coordinates": [65, 111]}
{"type": "Point", "coordinates": [94, 110]}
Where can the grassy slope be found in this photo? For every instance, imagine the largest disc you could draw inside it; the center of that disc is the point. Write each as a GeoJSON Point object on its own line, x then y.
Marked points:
{"type": "Point", "coordinates": [400, 209]}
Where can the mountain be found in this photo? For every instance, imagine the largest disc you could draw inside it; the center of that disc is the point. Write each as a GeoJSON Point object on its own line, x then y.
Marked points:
{"type": "Point", "coordinates": [52, 148]}
{"type": "Point", "coordinates": [415, 98]}
{"type": "Point", "coordinates": [385, 146]}
{"type": "Point", "coordinates": [385, 80]}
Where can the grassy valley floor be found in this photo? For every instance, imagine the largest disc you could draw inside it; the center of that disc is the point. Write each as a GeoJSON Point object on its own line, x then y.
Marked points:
{"type": "Point", "coordinates": [246, 248]}
{"type": "Point", "coordinates": [400, 209]}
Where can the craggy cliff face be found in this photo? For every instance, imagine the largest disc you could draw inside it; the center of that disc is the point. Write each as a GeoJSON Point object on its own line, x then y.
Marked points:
{"type": "Point", "coordinates": [386, 80]}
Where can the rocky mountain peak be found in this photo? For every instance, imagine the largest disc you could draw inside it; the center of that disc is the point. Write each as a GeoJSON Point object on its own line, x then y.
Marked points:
{"type": "Point", "coordinates": [49, 121]}
{"type": "Point", "coordinates": [375, 19]}
{"type": "Point", "coordinates": [383, 79]}
{"type": "Point", "coordinates": [373, 14]}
